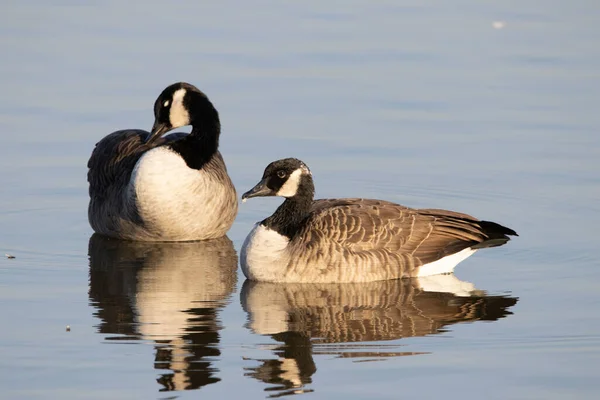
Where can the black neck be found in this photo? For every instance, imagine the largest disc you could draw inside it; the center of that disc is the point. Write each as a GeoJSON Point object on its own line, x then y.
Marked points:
{"type": "Point", "coordinates": [288, 219]}
{"type": "Point", "coordinates": [202, 143]}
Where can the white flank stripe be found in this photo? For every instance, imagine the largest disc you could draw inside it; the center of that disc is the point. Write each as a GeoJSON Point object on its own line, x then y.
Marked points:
{"type": "Point", "coordinates": [445, 265]}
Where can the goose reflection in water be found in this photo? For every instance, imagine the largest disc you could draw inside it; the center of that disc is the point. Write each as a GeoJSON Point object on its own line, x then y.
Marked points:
{"type": "Point", "coordinates": [168, 293]}
{"type": "Point", "coordinates": [334, 319]}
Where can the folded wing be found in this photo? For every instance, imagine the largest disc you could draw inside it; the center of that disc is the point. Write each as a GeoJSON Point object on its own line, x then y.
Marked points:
{"type": "Point", "coordinates": [373, 226]}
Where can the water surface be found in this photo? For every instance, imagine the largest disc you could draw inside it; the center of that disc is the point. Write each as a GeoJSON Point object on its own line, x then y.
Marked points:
{"type": "Point", "coordinates": [425, 104]}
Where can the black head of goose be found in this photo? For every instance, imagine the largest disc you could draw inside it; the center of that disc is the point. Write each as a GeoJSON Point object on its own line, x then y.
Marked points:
{"type": "Point", "coordinates": [354, 240]}
{"type": "Point", "coordinates": [146, 186]}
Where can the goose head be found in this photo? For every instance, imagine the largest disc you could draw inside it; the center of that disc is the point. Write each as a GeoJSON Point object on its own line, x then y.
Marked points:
{"type": "Point", "coordinates": [283, 178]}
{"type": "Point", "coordinates": [180, 104]}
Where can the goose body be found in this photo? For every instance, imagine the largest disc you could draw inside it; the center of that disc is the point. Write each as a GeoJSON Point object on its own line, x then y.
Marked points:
{"type": "Point", "coordinates": [175, 188]}
{"type": "Point", "coordinates": [354, 240]}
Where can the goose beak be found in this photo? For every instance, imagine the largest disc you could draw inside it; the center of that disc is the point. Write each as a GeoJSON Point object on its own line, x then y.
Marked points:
{"type": "Point", "coordinates": [260, 190]}
{"type": "Point", "coordinates": [158, 129]}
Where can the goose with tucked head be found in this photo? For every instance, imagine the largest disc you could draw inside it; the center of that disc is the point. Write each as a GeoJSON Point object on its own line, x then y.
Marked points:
{"type": "Point", "coordinates": [150, 187]}
{"type": "Point", "coordinates": [354, 240]}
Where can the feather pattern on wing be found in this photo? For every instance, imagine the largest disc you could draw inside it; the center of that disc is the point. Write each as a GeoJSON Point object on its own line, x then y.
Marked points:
{"type": "Point", "coordinates": [381, 237]}
{"type": "Point", "coordinates": [114, 157]}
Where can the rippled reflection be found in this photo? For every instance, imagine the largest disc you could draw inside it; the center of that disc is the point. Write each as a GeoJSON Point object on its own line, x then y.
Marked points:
{"type": "Point", "coordinates": [169, 293]}
{"type": "Point", "coordinates": [337, 319]}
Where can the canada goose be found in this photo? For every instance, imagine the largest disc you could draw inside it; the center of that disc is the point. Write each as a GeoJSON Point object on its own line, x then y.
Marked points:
{"type": "Point", "coordinates": [309, 319]}
{"type": "Point", "coordinates": [353, 240]}
{"type": "Point", "coordinates": [168, 294]}
{"type": "Point", "coordinates": [147, 187]}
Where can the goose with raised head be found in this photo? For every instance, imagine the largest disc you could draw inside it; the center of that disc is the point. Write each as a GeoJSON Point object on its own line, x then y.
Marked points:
{"type": "Point", "coordinates": [354, 240]}
{"type": "Point", "coordinates": [144, 186]}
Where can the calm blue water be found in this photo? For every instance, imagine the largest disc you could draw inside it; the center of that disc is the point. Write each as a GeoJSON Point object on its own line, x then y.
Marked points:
{"type": "Point", "coordinates": [425, 104]}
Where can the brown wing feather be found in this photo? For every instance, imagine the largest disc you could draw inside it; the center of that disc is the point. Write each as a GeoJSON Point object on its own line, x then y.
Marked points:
{"type": "Point", "coordinates": [363, 225]}
{"type": "Point", "coordinates": [114, 157]}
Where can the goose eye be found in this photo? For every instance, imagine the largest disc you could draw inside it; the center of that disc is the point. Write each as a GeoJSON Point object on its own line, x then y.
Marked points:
{"type": "Point", "coordinates": [281, 173]}
{"type": "Point", "coordinates": [166, 103]}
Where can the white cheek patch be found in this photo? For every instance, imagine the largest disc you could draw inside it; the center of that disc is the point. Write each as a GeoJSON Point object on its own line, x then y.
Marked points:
{"type": "Point", "coordinates": [178, 115]}
{"type": "Point", "coordinates": [305, 169]}
{"type": "Point", "coordinates": [290, 187]}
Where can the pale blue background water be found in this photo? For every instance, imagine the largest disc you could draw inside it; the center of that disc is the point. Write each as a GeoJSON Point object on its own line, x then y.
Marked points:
{"type": "Point", "coordinates": [423, 103]}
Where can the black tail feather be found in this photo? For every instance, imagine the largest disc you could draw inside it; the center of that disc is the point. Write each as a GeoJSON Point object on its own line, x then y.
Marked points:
{"type": "Point", "coordinates": [496, 233]}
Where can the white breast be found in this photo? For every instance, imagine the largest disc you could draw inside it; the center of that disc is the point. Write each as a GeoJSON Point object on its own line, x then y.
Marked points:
{"type": "Point", "coordinates": [264, 255]}
{"type": "Point", "coordinates": [175, 201]}
{"type": "Point", "coordinates": [159, 169]}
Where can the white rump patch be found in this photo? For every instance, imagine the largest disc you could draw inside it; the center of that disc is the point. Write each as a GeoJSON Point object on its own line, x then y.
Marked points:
{"type": "Point", "coordinates": [179, 115]}
{"type": "Point", "coordinates": [290, 187]}
{"type": "Point", "coordinates": [445, 265]}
